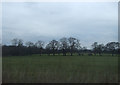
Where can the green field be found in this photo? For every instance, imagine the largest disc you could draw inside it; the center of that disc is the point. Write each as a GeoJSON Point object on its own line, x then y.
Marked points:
{"type": "Point", "coordinates": [60, 69]}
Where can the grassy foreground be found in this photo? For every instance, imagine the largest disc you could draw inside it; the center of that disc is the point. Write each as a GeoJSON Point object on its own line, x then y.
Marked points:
{"type": "Point", "coordinates": [60, 69]}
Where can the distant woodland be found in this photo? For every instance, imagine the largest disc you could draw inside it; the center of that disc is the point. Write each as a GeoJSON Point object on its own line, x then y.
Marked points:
{"type": "Point", "coordinates": [65, 46]}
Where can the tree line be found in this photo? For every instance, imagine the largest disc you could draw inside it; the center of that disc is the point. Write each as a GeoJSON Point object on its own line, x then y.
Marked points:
{"type": "Point", "coordinates": [64, 46]}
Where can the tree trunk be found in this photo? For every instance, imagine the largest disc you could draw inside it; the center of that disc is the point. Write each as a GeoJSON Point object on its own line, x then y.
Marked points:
{"type": "Point", "coordinates": [71, 54]}
{"type": "Point", "coordinates": [65, 53]}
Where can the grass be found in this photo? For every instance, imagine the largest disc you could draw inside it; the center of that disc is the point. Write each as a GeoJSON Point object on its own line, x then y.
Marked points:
{"type": "Point", "coordinates": [60, 69]}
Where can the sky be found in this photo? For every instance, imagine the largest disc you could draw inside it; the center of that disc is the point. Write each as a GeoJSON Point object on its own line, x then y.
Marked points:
{"type": "Point", "coordinates": [87, 21]}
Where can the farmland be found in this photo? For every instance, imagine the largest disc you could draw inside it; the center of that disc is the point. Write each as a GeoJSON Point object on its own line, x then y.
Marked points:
{"type": "Point", "coordinates": [60, 69]}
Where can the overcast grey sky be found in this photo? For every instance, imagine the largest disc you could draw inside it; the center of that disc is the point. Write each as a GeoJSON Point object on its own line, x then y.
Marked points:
{"type": "Point", "coordinates": [89, 22]}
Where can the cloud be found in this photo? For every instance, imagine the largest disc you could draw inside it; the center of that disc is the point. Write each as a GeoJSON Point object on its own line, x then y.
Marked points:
{"type": "Point", "coordinates": [88, 22]}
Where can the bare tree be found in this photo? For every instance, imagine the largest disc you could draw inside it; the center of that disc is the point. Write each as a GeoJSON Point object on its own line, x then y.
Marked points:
{"type": "Point", "coordinates": [72, 42]}
{"type": "Point", "coordinates": [48, 48]}
{"type": "Point", "coordinates": [94, 45]}
{"type": "Point", "coordinates": [100, 48]}
{"type": "Point", "coordinates": [15, 42]}
{"type": "Point", "coordinates": [20, 42]}
{"type": "Point", "coordinates": [118, 49]}
{"type": "Point", "coordinates": [54, 46]}
{"type": "Point", "coordinates": [29, 44]}
{"type": "Point", "coordinates": [112, 46]}
{"type": "Point", "coordinates": [78, 46]}
{"type": "Point", "coordinates": [40, 44]}
{"type": "Point", "coordinates": [64, 45]}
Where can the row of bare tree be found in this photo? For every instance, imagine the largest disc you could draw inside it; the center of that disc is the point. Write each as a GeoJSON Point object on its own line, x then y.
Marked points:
{"type": "Point", "coordinates": [64, 45]}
